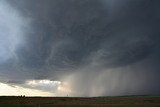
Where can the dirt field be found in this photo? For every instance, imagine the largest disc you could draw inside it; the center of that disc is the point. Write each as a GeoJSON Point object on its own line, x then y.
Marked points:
{"type": "Point", "coordinates": [123, 101]}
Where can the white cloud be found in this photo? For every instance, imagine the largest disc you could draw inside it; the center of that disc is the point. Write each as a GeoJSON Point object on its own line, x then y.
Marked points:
{"type": "Point", "coordinates": [44, 84]}
{"type": "Point", "coordinates": [8, 90]}
{"type": "Point", "coordinates": [57, 87]}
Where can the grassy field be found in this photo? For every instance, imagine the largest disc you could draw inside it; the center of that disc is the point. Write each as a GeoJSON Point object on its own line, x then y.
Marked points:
{"type": "Point", "coordinates": [123, 101]}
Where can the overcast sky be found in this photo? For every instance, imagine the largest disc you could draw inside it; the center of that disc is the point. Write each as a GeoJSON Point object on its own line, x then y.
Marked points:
{"type": "Point", "coordinates": [80, 47]}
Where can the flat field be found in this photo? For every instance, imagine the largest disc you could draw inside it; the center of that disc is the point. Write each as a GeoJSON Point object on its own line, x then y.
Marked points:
{"type": "Point", "coordinates": [121, 101]}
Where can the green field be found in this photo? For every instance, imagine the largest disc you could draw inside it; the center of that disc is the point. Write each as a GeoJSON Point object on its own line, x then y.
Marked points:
{"type": "Point", "coordinates": [121, 101]}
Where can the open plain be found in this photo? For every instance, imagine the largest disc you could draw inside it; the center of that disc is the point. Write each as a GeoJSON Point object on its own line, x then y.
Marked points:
{"type": "Point", "coordinates": [119, 101]}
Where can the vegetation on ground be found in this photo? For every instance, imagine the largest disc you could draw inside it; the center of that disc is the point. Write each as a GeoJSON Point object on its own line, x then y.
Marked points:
{"type": "Point", "coordinates": [121, 101]}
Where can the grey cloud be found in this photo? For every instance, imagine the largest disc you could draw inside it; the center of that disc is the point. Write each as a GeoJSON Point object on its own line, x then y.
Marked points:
{"type": "Point", "coordinates": [87, 38]}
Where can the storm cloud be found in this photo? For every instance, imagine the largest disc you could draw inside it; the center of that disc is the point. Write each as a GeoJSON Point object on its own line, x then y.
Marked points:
{"type": "Point", "coordinates": [96, 47]}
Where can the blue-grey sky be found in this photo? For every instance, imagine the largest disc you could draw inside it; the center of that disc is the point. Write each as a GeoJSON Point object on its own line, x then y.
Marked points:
{"type": "Point", "coordinates": [81, 47]}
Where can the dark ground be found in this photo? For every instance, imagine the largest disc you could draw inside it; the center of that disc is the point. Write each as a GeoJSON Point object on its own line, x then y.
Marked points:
{"type": "Point", "coordinates": [121, 101]}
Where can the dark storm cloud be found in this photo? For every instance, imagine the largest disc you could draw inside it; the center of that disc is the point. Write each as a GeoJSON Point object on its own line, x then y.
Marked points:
{"type": "Point", "coordinates": [87, 37]}
{"type": "Point", "coordinates": [73, 32]}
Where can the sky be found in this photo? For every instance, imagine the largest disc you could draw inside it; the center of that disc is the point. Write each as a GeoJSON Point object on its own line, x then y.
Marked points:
{"type": "Point", "coordinates": [79, 48]}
